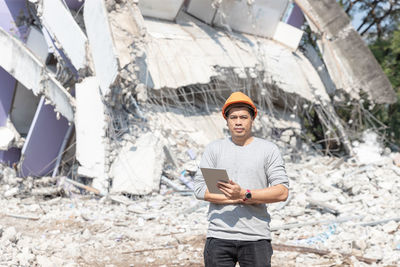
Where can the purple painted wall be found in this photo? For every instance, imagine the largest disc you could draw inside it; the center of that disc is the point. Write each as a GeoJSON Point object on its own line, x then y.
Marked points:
{"type": "Point", "coordinates": [43, 142]}
{"type": "Point", "coordinates": [296, 18]}
{"type": "Point", "coordinates": [10, 156]}
{"type": "Point", "coordinates": [9, 11]}
{"type": "Point", "coordinates": [7, 86]}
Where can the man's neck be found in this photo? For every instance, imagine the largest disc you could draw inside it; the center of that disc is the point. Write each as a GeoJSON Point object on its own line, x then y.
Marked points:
{"type": "Point", "coordinates": [243, 141]}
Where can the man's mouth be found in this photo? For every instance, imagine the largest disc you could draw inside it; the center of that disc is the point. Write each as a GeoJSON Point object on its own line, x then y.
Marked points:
{"type": "Point", "coordinates": [238, 129]}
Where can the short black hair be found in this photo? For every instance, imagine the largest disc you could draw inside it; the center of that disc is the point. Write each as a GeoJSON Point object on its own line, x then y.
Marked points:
{"type": "Point", "coordinates": [237, 105]}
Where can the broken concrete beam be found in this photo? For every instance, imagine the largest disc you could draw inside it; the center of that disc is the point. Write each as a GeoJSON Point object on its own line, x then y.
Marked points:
{"type": "Point", "coordinates": [66, 33]}
{"type": "Point", "coordinates": [138, 167]}
{"type": "Point", "coordinates": [23, 65]}
{"type": "Point", "coordinates": [101, 43]}
{"type": "Point", "coordinates": [129, 40]}
{"type": "Point", "coordinates": [351, 64]}
{"type": "Point", "coordinates": [90, 126]}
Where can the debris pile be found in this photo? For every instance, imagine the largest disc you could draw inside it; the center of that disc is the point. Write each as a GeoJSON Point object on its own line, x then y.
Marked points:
{"type": "Point", "coordinates": [338, 213]}
{"type": "Point", "coordinates": [344, 207]}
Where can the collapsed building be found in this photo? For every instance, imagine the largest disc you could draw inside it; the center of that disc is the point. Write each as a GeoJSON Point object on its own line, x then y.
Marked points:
{"type": "Point", "coordinates": [122, 92]}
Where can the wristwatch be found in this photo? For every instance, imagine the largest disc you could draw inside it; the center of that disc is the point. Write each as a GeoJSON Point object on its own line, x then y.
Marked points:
{"type": "Point", "coordinates": [247, 195]}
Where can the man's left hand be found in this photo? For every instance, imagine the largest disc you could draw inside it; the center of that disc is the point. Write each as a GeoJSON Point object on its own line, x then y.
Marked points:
{"type": "Point", "coordinates": [231, 190]}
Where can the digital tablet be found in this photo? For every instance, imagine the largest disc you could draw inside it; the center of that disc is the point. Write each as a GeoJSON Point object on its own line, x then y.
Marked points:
{"type": "Point", "coordinates": [212, 177]}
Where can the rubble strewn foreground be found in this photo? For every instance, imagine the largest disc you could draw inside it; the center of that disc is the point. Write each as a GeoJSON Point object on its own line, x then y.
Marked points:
{"type": "Point", "coordinates": [339, 213]}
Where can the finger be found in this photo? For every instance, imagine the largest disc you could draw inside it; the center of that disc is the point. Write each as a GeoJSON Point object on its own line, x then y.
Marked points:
{"type": "Point", "coordinates": [232, 182]}
{"type": "Point", "coordinates": [225, 192]}
{"type": "Point", "coordinates": [224, 185]}
{"type": "Point", "coordinates": [226, 188]}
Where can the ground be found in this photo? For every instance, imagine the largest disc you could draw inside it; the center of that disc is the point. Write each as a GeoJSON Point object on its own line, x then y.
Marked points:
{"type": "Point", "coordinates": [168, 228]}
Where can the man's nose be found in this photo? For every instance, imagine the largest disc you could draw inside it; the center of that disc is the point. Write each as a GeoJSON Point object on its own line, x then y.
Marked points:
{"type": "Point", "coordinates": [238, 121]}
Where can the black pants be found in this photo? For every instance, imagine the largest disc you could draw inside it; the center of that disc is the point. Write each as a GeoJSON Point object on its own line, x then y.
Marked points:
{"type": "Point", "coordinates": [225, 253]}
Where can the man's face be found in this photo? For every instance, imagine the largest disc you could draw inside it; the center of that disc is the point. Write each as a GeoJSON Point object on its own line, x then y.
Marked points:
{"type": "Point", "coordinates": [239, 122]}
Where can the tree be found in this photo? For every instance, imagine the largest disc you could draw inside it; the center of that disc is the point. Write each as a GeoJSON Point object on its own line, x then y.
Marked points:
{"type": "Point", "coordinates": [387, 52]}
{"type": "Point", "coordinates": [377, 17]}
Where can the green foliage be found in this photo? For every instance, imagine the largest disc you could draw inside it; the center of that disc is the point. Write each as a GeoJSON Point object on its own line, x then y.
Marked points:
{"type": "Point", "coordinates": [387, 52]}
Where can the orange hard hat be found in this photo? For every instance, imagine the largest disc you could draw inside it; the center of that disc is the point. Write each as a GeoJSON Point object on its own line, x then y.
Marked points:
{"type": "Point", "coordinates": [236, 98]}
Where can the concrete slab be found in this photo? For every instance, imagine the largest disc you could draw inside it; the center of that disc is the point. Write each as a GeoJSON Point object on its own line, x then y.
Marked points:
{"type": "Point", "coordinates": [101, 43]}
{"type": "Point", "coordinates": [64, 29]}
{"type": "Point", "coordinates": [350, 63]}
{"type": "Point", "coordinates": [90, 125]}
{"type": "Point", "coordinates": [23, 65]}
{"type": "Point", "coordinates": [190, 42]}
{"type": "Point", "coordinates": [138, 167]}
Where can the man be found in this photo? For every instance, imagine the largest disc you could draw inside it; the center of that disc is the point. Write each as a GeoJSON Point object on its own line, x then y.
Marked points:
{"type": "Point", "coordinates": [238, 219]}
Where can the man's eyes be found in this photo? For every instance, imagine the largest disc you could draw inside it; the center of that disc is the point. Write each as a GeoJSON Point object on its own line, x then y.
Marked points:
{"type": "Point", "coordinates": [242, 117]}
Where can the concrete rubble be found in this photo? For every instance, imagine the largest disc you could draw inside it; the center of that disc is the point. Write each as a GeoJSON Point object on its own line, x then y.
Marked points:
{"type": "Point", "coordinates": [168, 228]}
{"type": "Point", "coordinates": [106, 107]}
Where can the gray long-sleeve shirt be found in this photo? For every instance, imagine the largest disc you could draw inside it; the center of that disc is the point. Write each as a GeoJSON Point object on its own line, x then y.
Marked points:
{"type": "Point", "coordinates": [253, 166]}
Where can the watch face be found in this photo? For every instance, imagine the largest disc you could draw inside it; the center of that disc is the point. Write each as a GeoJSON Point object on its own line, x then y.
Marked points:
{"type": "Point", "coordinates": [248, 195]}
